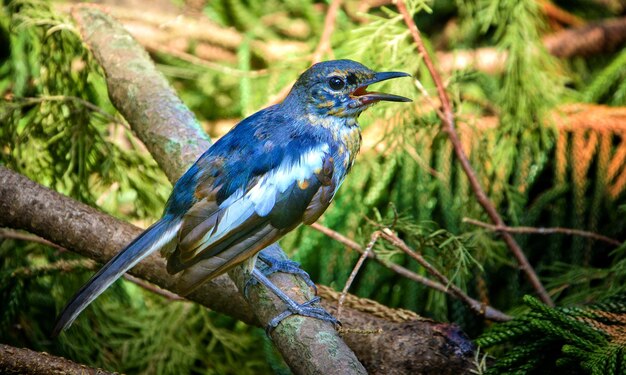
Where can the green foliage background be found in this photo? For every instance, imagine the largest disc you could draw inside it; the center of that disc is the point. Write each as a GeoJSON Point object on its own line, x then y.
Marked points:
{"type": "Point", "coordinates": [58, 128]}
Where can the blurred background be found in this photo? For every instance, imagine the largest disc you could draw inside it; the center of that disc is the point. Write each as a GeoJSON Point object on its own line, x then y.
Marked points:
{"type": "Point", "coordinates": [539, 92]}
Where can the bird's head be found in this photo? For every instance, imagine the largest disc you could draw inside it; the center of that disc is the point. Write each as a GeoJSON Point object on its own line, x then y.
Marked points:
{"type": "Point", "coordinates": [339, 88]}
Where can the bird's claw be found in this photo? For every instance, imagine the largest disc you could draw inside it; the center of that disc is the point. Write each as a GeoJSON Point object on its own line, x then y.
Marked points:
{"type": "Point", "coordinates": [304, 309]}
{"type": "Point", "coordinates": [273, 265]}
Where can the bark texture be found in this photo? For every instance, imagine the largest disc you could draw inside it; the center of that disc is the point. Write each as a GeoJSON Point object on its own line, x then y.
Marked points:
{"type": "Point", "coordinates": [28, 362]}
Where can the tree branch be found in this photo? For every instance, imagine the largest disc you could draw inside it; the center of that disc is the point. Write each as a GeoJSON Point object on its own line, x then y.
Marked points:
{"type": "Point", "coordinates": [541, 230]}
{"type": "Point", "coordinates": [481, 309]}
{"type": "Point", "coordinates": [587, 40]}
{"type": "Point", "coordinates": [449, 128]}
{"type": "Point", "coordinates": [329, 26]}
{"type": "Point", "coordinates": [98, 236]}
{"type": "Point", "coordinates": [29, 362]}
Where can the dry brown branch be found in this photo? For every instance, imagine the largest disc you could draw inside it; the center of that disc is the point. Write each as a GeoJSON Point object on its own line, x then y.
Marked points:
{"type": "Point", "coordinates": [590, 39]}
{"type": "Point", "coordinates": [481, 309]}
{"type": "Point", "coordinates": [392, 266]}
{"type": "Point", "coordinates": [355, 271]}
{"type": "Point", "coordinates": [98, 236]}
{"type": "Point", "coordinates": [207, 39]}
{"type": "Point", "coordinates": [153, 288]}
{"type": "Point", "coordinates": [23, 236]}
{"type": "Point", "coordinates": [28, 362]}
{"type": "Point", "coordinates": [541, 230]}
{"type": "Point", "coordinates": [323, 46]}
{"type": "Point", "coordinates": [477, 307]}
{"type": "Point", "coordinates": [449, 128]}
{"type": "Point", "coordinates": [559, 14]}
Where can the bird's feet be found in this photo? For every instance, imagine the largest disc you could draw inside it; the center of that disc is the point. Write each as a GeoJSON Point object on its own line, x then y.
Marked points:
{"type": "Point", "coordinates": [304, 309]}
{"type": "Point", "coordinates": [293, 307]}
{"type": "Point", "coordinates": [272, 263]}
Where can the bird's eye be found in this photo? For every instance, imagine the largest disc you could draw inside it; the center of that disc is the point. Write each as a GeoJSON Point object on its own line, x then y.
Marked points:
{"type": "Point", "coordinates": [336, 83]}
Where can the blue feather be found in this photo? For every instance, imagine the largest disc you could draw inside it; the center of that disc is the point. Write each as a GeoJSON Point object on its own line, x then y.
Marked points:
{"type": "Point", "coordinates": [154, 238]}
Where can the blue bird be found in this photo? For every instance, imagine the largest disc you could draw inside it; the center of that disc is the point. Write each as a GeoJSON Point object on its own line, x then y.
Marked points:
{"type": "Point", "coordinates": [274, 170]}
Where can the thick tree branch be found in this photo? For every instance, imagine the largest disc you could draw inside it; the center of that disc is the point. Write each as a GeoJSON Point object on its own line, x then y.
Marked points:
{"type": "Point", "coordinates": [28, 362]}
{"type": "Point", "coordinates": [98, 236]}
{"type": "Point", "coordinates": [450, 129]}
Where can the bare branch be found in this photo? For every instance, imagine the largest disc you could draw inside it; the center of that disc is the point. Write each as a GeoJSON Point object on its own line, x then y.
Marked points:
{"type": "Point", "coordinates": [477, 307]}
{"type": "Point", "coordinates": [98, 236]}
{"type": "Point", "coordinates": [23, 236]}
{"type": "Point", "coordinates": [445, 286]}
{"type": "Point", "coordinates": [449, 128]}
{"type": "Point", "coordinates": [329, 26]}
{"type": "Point", "coordinates": [586, 40]}
{"type": "Point", "coordinates": [153, 288]}
{"type": "Point", "coordinates": [29, 362]}
{"type": "Point", "coordinates": [355, 271]}
{"type": "Point", "coordinates": [541, 230]}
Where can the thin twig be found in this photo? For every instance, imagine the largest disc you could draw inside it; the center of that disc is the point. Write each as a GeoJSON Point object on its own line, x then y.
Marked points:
{"type": "Point", "coordinates": [355, 271]}
{"type": "Point", "coordinates": [543, 230]}
{"type": "Point", "coordinates": [60, 266]}
{"type": "Point", "coordinates": [487, 311]}
{"type": "Point", "coordinates": [322, 47]}
{"type": "Point", "coordinates": [449, 129]}
{"type": "Point", "coordinates": [559, 14]}
{"type": "Point", "coordinates": [427, 96]}
{"type": "Point", "coordinates": [153, 288]}
{"type": "Point", "coordinates": [188, 57]}
{"type": "Point", "coordinates": [23, 236]}
{"type": "Point", "coordinates": [329, 27]}
{"type": "Point", "coordinates": [392, 266]}
{"type": "Point", "coordinates": [68, 98]}
{"type": "Point", "coordinates": [476, 306]}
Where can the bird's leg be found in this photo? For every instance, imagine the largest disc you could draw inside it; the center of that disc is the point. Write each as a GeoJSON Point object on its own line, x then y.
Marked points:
{"type": "Point", "coordinates": [284, 265]}
{"type": "Point", "coordinates": [304, 309]}
{"type": "Point", "coordinates": [277, 262]}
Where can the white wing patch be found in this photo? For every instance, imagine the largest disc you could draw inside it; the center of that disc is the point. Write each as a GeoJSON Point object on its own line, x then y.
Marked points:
{"type": "Point", "coordinates": [263, 194]}
{"type": "Point", "coordinates": [261, 198]}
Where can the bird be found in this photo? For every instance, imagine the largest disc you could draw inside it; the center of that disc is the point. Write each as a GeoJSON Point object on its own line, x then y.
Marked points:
{"type": "Point", "coordinates": [274, 170]}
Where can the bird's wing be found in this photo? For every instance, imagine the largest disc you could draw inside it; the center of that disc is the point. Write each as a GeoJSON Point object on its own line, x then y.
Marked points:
{"type": "Point", "coordinates": [215, 237]}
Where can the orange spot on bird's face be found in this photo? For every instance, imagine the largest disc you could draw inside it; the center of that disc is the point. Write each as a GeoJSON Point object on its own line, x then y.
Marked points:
{"type": "Point", "coordinates": [303, 184]}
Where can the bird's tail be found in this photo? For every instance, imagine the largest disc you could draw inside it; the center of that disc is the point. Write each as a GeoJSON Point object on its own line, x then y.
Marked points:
{"type": "Point", "coordinates": [152, 239]}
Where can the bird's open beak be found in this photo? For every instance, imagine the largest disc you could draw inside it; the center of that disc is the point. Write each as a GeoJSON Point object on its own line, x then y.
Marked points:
{"type": "Point", "coordinates": [366, 97]}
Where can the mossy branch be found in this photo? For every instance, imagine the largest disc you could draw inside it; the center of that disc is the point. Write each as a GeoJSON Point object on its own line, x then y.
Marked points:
{"type": "Point", "coordinates": [29, 362]}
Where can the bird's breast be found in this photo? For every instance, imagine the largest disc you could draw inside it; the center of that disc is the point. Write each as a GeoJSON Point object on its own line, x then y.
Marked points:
{"type": "Point", "coordinates": [349, 143]}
